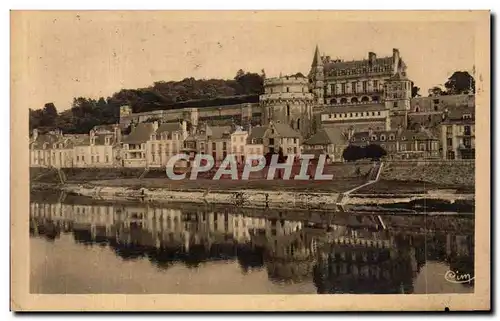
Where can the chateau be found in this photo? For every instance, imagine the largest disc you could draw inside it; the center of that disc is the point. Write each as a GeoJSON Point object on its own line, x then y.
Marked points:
{"type": "Point", "coordinates": [360, 94]}
{"type": "Point", "coordinates": [337, 104]}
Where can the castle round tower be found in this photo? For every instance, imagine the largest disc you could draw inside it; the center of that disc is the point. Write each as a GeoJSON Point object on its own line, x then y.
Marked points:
{"type": "Point", "coordinates": [287, 100]}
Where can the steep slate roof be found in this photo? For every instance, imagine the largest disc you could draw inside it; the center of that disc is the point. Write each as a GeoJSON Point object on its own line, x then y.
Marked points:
{"type": "Point", "coordinates": [140, 134]}
{"type": "Point", "coordinates": [169, 127]}
{"type": "Point", "coordinates": [327, 136]}
{"type": "Point", "coordinates": [109, 127]}
{"type": "Point", "coordinates": [285, 130]}
{"type": "Point", "coordinates": [50, 139]}
{"type": "Point", "coordinates": [256, 133]}
{"type": "Point", "coordinates": [217, 132]}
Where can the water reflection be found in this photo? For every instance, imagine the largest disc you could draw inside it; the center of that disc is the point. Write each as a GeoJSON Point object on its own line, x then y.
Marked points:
{"type": "Point", "coordinates": [335, 258]}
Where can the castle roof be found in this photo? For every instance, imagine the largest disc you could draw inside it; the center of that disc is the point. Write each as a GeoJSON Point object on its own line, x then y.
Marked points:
{"type": "Point", "coordinates": [169, 128]}
{"type": "Point", "coordinates": [284, 130]}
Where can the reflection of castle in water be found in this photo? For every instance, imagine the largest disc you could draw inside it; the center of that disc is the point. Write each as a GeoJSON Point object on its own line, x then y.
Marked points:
{"type": "Point", "coordinates": [338, 259]}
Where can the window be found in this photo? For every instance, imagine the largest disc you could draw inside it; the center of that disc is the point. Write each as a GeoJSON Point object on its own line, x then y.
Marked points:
{"type": "Point", "coordinates": [402, 147]}
{"type": "Point", "coordinates": [365, 86]}
{"type": "Point", "coordinates": [395, 104]}
{"type": "Point", "coordinates": [449, 142]}
{"type": "Point", "coordinates": [332, 88]}
{"type": "Point", "coordinates": [356, 114]}
{"type": "Point", "coordinates": [77, 158]}
{"type": "Point", "coordinates": [97, 158]}
{"type": "Point", "coordinates": [436, 101]}
{"type": "Point", "coordinates": [449, 130]}
{"type": "Point", "coordinates": [107, 159]}
{"type": "Point", "coordinates": [467, 130]}
{"type": "Point", "coordinates": [342, 88]}
{"type": "Point", "coordinates": [374, 137]}
{"type": "Point", "coordinates": [287, 89]}
{"type": "Point", "coordinates": [378, 113]}
{"type": "Point", "coordinates": [298, 124]}
{"type": "Point", "coordinates": [403, 138]}
{"type": "Point", "coordinates": [382, 137]}
{"type": "Point", "coordinates": [224, 145]}
{"type": "Point", "coordinates": [436, 108]}
{"type": "Point", "coordinates": [241, 139]}
{"type": "Point", "coordinates": [391, 137]}
{"type": "Point", "coordinates": [353, 86]}
{"type": "Point", "coordinates": [467, 142]}
{"type": "Point", "coordinates": [288, 110]}
{"type": "Point", "coordinates": [375, 85]}
{"type": "Point", "coordinates": [234, 149]}
{"type": "Point", "coordinates": [92, 158]}
{"type": "Point", "coordinates": [466, 116]}
{"type": "Point", "coordinates": [334, 115]}
{"type": "Point", "coordinates": [241, 149]}
{"type": "Point", "coordinates": [214, 147]}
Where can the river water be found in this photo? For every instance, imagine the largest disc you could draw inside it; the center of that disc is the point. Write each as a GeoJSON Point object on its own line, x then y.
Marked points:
{"type": "Point", "coordinates": [79, 245]}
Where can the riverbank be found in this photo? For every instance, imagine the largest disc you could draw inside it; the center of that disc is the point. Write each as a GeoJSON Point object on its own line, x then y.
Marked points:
{"type": "Point", "coordinates": [293, 198]}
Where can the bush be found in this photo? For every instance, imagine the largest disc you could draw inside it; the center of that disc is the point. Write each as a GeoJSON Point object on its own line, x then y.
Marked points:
{"type": "Point", "coordinates": [374, 151]}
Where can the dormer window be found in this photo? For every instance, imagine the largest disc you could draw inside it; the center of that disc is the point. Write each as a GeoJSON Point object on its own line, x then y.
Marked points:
{"type": "Point", "coordinates": [92, 141]}
{"type": "Point", "coordinates": [391, 137]}
{"type": "Point", "coordinates": [363, 139]}
{"type": "Point", "coordinates": [54, 146]}
{"type": "Point", "coordinates": [374, 137]}
{"type": "Point", "coordinates": [60, 145]}
{"type": "Point", "coordinates": [107, 140]}
{"type": "Point", "coordinates": [466, 116]}
{"type": "Point", "coordinates": [382, 138]}
{"type": "Point", "coordinates": [403, 138]}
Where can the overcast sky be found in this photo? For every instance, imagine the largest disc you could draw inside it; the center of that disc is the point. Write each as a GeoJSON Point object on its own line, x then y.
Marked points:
{"type": "Point", "coordinates": [93, 54]}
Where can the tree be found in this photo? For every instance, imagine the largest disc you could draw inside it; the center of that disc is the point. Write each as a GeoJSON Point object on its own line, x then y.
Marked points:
{"type": "Point", "coordinates": [375, 152]}
{"type": "Point", "coordinates": [414, 90]}
{"type": "Point", "coordinates": [353, 153]}
{"type": "Point", "coordinates": [436, 91]}
{"type": "Point", "coordinates": [460, 82]}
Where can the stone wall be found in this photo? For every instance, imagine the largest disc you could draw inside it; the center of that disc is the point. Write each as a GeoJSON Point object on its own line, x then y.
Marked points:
{"type": "Point", "coordinates": [437, 172]}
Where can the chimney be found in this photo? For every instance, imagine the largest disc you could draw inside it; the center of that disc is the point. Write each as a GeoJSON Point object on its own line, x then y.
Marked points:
{"type": "Point", "coordinates": [118, 134]}
{"type": "Point", "coordinates": [184, 129]}
{"type": "Point", "coordinates": [395, 60]}
{"type": "Point", "coordinates": [371, 57]}
{"type": "Point", "coordinates": [350, 133]}
{"type": "Point", "coordinates": [35, 134]}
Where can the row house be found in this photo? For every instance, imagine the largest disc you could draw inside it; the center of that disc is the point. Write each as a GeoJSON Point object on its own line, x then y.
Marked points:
{"type": "Point", "coordinates": [165, 142]}
{"type": "Point", "coordinates": [238, 143]}
{"type": "Point", "coordinates": [457, 133]}
{"type": "Point", "coordinates": [401, 143]}
{"type": "Point", "coordinates": [101, 148]}
{"type": "Point", "coordinates": [272, 138]}
{"type": "Point", "coordinates": [52, 149]}
{"type": "Point", "coordinates": [329, 141]}
{"type": "Point", "coordinates": [211, 140]}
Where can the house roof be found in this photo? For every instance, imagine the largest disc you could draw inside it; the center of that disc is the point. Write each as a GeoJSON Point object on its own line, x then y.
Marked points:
{"type": "Point", "coordinates": [169, 127]}
{"type": "Point", "coordinates": [327, 136]}
{"type": "Point", "coordinates": [217, 132]}
{"type": "Point", "coordinates": [140, 134]}
{"type": "Point", "coordinates": [256, 133]}
{"type": "Point", "coordinates": [423, 134]}
{"type": "Point", "coordinates": [285, 130]}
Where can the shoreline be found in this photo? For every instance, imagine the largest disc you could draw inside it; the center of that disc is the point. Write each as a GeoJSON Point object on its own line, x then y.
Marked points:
{"type": "Point", "coordinates": [432, 202]}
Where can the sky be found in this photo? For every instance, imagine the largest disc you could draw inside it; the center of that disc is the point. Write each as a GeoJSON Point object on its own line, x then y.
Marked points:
{"type": "Point", "coordinates": [69, 54]}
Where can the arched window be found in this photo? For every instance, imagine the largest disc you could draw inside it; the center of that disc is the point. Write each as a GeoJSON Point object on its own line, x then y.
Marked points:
{"type": "Point", "coordinates": [354, 100]}
{"type": "Point", "coordinates": [417, 109]}
{"type": "Point", "coordinates": [288, 110]}
{"type": "Point", "coordinates": [343, 100]}
{"type": "Point", "coordinates": [333, 101]}
{"type": "Point", "coordinates": [298, 124]}
{"type": "Point", "coordinates": [365, 99]}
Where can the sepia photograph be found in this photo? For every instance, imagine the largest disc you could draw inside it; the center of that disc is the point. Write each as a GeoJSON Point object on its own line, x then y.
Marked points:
{"type": "Point", "coordinates": [305, 158]}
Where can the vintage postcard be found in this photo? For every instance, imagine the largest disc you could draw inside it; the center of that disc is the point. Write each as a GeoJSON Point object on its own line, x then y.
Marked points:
{"type": "Point", "coordinates": [250, 160]}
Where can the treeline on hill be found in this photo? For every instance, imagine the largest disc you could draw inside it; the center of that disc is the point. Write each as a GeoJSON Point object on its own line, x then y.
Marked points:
{"type": "Point", "coordinates": [85, 113]}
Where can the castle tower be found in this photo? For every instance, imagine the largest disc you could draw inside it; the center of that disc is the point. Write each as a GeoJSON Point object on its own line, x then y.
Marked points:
{"type": "Point", "coordinates": [287, 100]}
{"type": "Point", "coordinates": [317, 78]}
{"type": "Point", "coordinates": [397, 93]}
